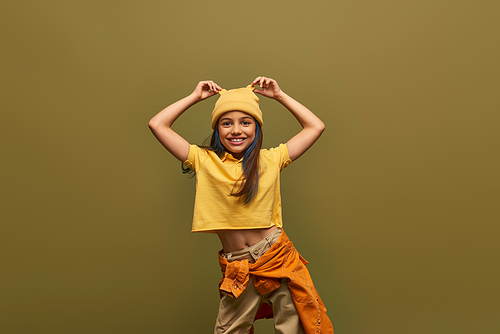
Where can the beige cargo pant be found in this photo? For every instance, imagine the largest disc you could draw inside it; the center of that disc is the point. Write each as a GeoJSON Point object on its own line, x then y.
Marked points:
{"type": "Point", "coordinates": [236, 315]}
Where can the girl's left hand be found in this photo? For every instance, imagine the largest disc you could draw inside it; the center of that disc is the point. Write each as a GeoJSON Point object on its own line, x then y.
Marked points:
{"type": "Point", "coordinates": [268, 87]}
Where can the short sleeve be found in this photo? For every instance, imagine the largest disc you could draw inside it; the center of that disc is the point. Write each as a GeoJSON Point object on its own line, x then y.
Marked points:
{"type": "Point", "coordinates": [280, 155]}
{"type": "Point", "coordinates": [195, 157]}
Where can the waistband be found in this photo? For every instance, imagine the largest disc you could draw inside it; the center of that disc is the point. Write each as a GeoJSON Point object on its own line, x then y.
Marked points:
{"type": "Point", "coordinates": [253, 253]}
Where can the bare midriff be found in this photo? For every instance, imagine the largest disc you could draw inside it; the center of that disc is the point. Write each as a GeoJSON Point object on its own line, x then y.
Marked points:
{"type": "Point", "coordinates": [233, 240]}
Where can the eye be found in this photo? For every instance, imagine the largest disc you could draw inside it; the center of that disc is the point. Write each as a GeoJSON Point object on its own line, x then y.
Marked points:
{"type": "Point", "coordinates": [226, 123]}
{"type": "Point", "coordinates": [246, 123]}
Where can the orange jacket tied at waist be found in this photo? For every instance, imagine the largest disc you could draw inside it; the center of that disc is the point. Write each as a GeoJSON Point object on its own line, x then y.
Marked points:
{"type": "Point", "coordinates": [281, 261]}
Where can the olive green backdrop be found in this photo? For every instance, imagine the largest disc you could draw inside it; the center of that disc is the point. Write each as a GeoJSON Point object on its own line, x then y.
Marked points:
{"type": "Point", "coordinates": [396, 206]}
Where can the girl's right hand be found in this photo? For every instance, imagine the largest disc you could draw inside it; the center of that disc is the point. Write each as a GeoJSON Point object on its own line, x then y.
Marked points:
{"type": "Point", "coordinates": [206, 89]}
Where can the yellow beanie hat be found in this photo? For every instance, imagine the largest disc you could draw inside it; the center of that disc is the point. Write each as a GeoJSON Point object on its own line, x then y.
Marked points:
{"type": "Point", "coordinates": [240, 99]}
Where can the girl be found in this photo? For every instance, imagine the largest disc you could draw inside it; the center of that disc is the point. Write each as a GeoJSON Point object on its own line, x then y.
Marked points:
{"type": "Point", "coordinates": [238, 198]}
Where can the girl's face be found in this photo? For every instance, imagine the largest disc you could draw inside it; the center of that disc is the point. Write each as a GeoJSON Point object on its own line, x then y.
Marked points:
{"type": "Point", "coordinates": [236, 132]}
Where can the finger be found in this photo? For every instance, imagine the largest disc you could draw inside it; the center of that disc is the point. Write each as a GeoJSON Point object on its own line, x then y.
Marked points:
{"type": "Point", "coordinates": [215, 87]}
{"type": "Point", "coordinates": [207, 85]}
{"type": "Point", "coordinates": [268, 82]}
{"type": "Point", "coordinates": [256, 83]}
{"type": "Point", "coordinates": [261, 82]}
{"type": "Point", "coordinates": [255, 80]}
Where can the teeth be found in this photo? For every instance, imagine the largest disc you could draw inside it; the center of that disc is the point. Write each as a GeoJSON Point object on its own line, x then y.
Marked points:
{"type": "Point", "coordinates": [235, 139]}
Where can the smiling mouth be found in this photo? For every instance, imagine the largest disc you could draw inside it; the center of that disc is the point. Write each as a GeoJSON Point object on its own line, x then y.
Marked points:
{"type": "Point", "coordinates": [237, 140]}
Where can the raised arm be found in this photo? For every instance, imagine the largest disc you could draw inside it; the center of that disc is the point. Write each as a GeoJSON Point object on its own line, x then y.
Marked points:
{"type": "Point", "coordinates": [161, 124]}
{"type": "Point", "coordinates": [312, 126]}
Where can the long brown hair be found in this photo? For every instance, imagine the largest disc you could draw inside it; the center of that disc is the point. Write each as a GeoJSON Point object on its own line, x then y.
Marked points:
{"type": "Point", "coordinates": [249, 185]}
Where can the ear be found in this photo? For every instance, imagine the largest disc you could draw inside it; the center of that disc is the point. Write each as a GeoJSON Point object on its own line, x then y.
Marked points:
{"type": "Point", "coordinates": [222, 91]}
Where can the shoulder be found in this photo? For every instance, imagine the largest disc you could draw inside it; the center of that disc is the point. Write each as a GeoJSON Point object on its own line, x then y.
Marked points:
{"type": "Point", "coordinates": [196, 156]}
{"type": "Point", "coordinates": [277, 155]}
{"type": "Point", "coordinates": [280, 150]}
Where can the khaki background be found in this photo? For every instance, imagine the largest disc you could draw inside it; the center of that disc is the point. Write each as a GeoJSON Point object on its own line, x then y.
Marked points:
{"type": "Point", "coordinates": [396, 206]}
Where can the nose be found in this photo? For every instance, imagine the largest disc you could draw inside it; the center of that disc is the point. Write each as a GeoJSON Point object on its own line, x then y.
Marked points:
{"type": "Point", "coordinates": [236, 129]}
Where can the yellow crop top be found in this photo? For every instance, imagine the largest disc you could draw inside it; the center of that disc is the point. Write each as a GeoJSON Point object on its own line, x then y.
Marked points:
{"type": "Point", "coordinates": [215, 209]}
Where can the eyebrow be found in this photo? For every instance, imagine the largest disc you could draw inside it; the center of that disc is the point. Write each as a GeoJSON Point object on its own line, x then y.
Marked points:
{"type": "Point", "coordinates": [230, 119]}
